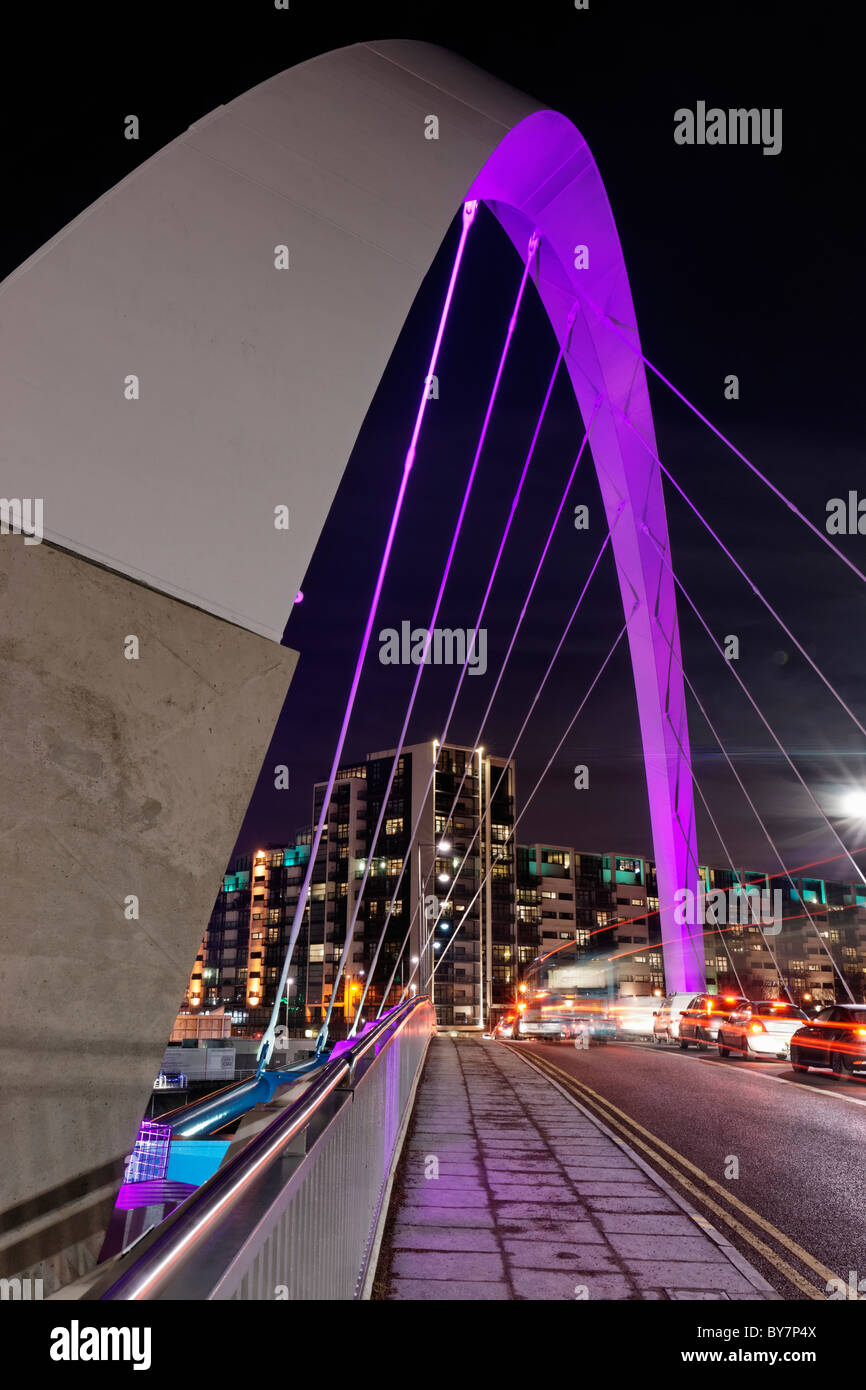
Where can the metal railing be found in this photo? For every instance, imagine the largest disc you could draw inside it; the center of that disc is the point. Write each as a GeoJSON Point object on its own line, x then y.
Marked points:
{"type": "Point", "coordinates": [298, 1212]}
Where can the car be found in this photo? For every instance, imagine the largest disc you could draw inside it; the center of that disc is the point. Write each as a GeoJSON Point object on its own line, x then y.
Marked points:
{"type": "Point", "coordinates": [666, 1018]}
{"type": "Point", "coordinates": [561, 1017]}
{"type": "Point", "coordinates": [836, 1038]}
{"type": "Point", "coordinates": [700, 1020]}
{"type": "Point", "coordinates": [762, 1028]}
{"type": "Point", "coordinates": [635, 1016]}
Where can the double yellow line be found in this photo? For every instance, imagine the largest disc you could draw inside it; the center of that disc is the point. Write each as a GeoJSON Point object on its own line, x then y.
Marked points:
{"type": "Point", "coordinates": [662, 1156]}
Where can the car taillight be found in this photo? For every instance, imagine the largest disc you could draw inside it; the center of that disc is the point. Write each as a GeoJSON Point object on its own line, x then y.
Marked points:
{"type": "Point", "coordinates": [757, 1028]}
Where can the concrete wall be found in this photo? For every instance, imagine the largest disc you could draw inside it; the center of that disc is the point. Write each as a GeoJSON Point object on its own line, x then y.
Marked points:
{"type": "Point", "coordinates": [122, 777]}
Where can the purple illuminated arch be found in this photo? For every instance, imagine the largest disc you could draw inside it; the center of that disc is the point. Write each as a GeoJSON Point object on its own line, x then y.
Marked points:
{"type": "Point", "coordinates": [542, 177]}
{"type": "Point", "coordinates": [268, 376]}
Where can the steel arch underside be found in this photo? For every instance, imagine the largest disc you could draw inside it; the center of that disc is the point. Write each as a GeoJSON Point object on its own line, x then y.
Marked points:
{"type": "Point", "coordinates": [170, 275]}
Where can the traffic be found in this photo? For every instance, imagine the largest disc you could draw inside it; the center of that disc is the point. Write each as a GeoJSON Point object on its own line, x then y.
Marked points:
{"type": "Point", "coordinates": [771, 1030]}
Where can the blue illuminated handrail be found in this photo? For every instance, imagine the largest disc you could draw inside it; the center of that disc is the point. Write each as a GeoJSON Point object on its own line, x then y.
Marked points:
{"type": "Point", "coordinates": [213, 1112]}
{"type": "Point", "coordinates": [140, 1273]}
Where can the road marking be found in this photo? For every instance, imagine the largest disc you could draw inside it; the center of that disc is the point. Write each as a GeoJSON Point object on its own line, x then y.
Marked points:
{"type": "Point", "coordinates": [731, 1252]}
{"type": "Point", "coordinates": [751, 1069]}
{"type": "Point", "coordinates": [592, 1097]}
{"type": "Point", "coordinates": [799, 1085]}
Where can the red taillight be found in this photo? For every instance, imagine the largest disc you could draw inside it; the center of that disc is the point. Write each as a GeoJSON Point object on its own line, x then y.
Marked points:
{"type": "Point", "coordinates": [757, 1028]}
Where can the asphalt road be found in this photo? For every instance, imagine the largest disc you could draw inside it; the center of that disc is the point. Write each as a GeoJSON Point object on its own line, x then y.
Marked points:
{"type": "Point", "coordinates": [797, 1209]}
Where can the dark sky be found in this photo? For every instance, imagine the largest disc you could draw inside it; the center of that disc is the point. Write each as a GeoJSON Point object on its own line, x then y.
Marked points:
{"type": "Point", "coordinates": [738, 262]}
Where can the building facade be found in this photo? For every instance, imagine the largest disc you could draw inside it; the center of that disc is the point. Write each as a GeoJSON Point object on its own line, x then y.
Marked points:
{"type": "Point", "coordinates": [457, 909]}
{"type": "Point", "coordinates": [442, 901]}
{"type": "Point", "coordinates": [239, 962]}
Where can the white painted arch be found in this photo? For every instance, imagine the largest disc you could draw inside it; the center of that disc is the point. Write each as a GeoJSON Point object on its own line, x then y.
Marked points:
{"type": "Point", "coordinates": [254, 383]}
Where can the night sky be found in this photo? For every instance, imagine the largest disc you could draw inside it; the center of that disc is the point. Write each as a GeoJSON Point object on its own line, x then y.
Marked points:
{"type": "Point", "coordinates": [738, 262]}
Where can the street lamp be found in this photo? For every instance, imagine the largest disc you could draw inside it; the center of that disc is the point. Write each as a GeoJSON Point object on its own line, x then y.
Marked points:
{"type": "Point", "coordinates": [437, 846]}
{"type": "Point", "coordinates": [289, 984]}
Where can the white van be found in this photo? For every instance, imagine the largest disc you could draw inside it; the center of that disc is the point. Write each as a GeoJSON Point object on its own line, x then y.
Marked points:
{"type": "Point", "coordinates": [666, 1018]}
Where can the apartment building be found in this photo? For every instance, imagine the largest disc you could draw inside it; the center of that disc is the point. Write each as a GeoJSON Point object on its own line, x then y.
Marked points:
{"type": "Point", "coordinates": [448, 930]}
{"type": "Point", "coordinates": [471, 915]}
{"type": "Point", "coordinates": [239, 962]}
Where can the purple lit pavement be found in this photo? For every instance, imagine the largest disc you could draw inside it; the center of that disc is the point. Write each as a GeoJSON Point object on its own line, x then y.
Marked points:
{"type": "Point", "coordinates": [533, 1200]}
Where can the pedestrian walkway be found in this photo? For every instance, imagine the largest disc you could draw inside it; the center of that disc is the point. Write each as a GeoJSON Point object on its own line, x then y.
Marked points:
{"type": "Point", "coordinates": [507, 1190]}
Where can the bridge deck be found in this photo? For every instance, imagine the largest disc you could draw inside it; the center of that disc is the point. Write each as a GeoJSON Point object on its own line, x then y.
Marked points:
{"type": "Point", "coordinates": [506, 1189]}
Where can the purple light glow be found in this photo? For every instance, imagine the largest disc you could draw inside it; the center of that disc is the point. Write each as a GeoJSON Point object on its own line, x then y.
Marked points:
{"type": "Point", "coordinates": [512, 324]}
{"type": "Point", "coordinates": [157, 1192]}
{"type": "Point", "coordinates": [469, 211]}
{"type": "Point", "coordinates": [543, 177]}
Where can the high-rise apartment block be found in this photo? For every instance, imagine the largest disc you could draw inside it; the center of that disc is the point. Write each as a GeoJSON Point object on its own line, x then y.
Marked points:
{"type": "Point", "coordinates": [446, 902]}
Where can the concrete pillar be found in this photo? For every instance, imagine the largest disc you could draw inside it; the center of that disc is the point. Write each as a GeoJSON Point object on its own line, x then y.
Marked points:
{"type": "Point", "coordinates": [126, 779]}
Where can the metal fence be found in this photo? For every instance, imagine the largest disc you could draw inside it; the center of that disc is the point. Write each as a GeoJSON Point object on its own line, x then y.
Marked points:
{"type": "Point", "coordinates": [297, 1214]}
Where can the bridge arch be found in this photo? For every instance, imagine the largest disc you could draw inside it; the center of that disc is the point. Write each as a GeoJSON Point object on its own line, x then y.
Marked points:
{"type": "Point", "coordinates": [542, 177]}
{"type": "Point", "coordinates": [253, 386]}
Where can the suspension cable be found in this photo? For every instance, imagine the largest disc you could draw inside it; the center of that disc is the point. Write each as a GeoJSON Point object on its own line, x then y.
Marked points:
{"type": "Point", "coordinates": [500, 856]}
{"type": "Point", "coordinates": [730, 665]}
{"type": "Point", "coordinates": [520, 733]}
{"type": "Point", "coordinates": [269, 1035]}
{"type": "Point", "coordinates": [692, 857]}
{"type": "Point", "coordinates": [770, 841]}
{"type": "Point", "coordinates": [532, 250]}
{"type": "Point", "coordinates": [616, 327]}
{"type": "Point", "coordinates": [741, 571]}
{"type": "Point", "coordinates": [497, 683]}
{"type": "Point", "coordinates": [734, 871]}
{"type": "Point", "coordinates": [453, 705]}
{"type": "Point", "coordinates": [533, 702]}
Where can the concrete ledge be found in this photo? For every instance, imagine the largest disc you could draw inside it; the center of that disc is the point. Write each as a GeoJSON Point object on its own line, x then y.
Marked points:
{"type": "Point", "coordinates": [123, 779]}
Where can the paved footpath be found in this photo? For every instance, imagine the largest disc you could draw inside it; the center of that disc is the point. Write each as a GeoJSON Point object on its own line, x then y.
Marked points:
{"type": "Point", "coordinates": [533, 1199]}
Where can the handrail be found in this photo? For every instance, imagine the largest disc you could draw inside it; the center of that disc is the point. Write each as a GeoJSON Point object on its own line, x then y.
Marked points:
{"type": "Point", "coordinates": [212, 1112]}
{"type": "Point", "coordinates": [139, 1273]}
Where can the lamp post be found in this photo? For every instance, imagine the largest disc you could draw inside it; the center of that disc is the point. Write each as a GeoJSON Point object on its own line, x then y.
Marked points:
{"type": "Point", "coordinates": [289, 984]}
{"type": "Point", "coordinates": [439, 847]}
